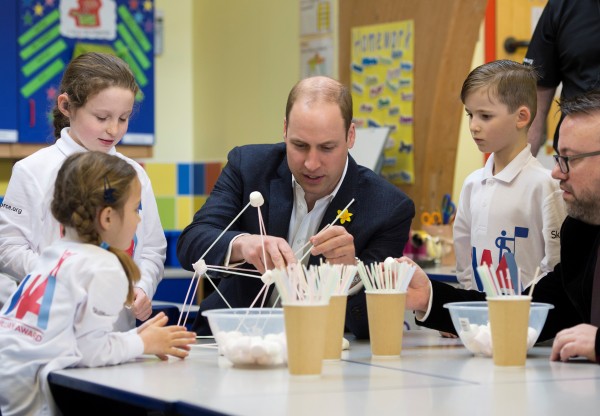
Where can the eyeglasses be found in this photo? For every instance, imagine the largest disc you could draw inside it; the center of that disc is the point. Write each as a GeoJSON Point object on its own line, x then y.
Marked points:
{"type": "Point", "coordinates": [563, 161]}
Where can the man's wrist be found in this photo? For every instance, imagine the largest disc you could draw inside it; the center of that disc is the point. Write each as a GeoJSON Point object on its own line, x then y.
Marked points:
{"type": "Point", "coordinates": [423, 315]}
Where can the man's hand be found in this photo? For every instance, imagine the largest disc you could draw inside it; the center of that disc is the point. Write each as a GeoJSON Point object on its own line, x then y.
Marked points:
{"type": "Point", "coordinates": [419, 291]}
{"type": "Point", "coordinates": [335, 244]}
{"type": "Point", "coordinates": [578, 341]}
{"type": "Point", "coordinates": [248, 248]}
{"type": "Point", "coordinates": [142, 307]}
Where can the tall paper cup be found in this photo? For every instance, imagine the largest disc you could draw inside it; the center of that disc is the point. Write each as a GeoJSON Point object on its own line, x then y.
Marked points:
{"type": "Point", "coordinates": [509, 320]}
{"type": "Point", "coordinates": [336, 317]}
{"type": "Point", "coordinates": [385, 310]}
{"type": "Point", "coordinates": [305, 327]}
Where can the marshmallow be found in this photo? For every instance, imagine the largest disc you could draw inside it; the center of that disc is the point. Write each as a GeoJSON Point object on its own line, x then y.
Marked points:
{"type": "Point", "coordinates": [256, 199]}
{"type": "Point", "coordinates": [532, 336]}
{"type": "Point", "coordinates": [345, 344]}
{"type": "Point", "coordinates": [200, 267]}
{"type": "Point", "coordinates": [248, 350]}
{"type": "Point", "coordinates": [267, 277]}
{"type": "Point", "coordinates": [389, 261]}
{"type": "Point", "coordinates": [478, 339]}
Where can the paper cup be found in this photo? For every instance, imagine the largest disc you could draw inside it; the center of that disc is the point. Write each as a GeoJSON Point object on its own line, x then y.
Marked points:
{"type": "Point", "coordinates": [509, 320]}
{"type": "Point", "coordinates": [385, 312]}
{"type": "Point", "coordinates": [305, 327]}
{"type": "Point", "coordinates": [336, 317]}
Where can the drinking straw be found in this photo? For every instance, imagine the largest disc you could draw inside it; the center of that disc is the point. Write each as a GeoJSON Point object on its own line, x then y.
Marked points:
{"type": "Point", "coordinates": [327, 226]}
{"type": "Point", "coordinates": [386, 276]}
{"type": "Point", "coordinates": [535, 276]}
{"type": "Point", "coordinates": [195, 281]}
{"type": "Point", "coordinates": [486, 281]}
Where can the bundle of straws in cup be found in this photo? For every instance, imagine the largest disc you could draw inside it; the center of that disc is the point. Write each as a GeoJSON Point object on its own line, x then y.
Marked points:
{"type": "Point", "coordinates": [314, 305]}
{"type": "Point", "coordinates": [385, 287]}
{"type": "Point", "coordinates": [513, 321]}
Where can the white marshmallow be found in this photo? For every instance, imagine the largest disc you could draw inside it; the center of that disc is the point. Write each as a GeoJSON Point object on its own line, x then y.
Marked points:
{"type": "Point", "coordinates": [389, 261]}
{"type": "Point", "coordinates": [256, 199]}
{"type": "Point", "coordinates": [200, 267]}
{"type": "Point", "coordinates": [272, 348]}
{"type": "Point", "coordinates": [345, 344]}
{"type": "Point", "coordinates": [243, 350]}
{"type": "Point", "coordinates": [532, 336]}
{"type": "Point", "coordinates": [264, 360]}
{"type": "Point", "coordinates": [478, 339]}
{"type": "Point", "coordinates": [258, 349]}
{"type": "Point", "coordinates": [267, 277]}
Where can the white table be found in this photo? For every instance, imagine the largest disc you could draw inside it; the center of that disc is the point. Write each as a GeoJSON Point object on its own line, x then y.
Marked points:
{"type": "Point", "coordinates": [441, 273]}
{"type": "Point", "coordinates": [433, 376]}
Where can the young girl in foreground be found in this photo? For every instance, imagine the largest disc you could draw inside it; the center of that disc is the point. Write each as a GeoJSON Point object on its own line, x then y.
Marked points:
{"type": "Point", "coordinates": [63, 312]}
{"type": "Point", "coordinates": [92, 111]}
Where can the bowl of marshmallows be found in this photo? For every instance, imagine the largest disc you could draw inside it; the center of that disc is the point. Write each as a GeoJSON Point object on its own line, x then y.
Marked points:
{"type": "Point", "coordinates": [249, 336]}
{"type": "Point", "coordinates": [472, 325]}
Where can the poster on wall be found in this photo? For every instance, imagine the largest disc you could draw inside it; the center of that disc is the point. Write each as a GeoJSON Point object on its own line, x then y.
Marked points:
{"type": "Point", "coordinates": [315, 17]}
{"type": "Point", "coordinates": [382, 79]}
{"type": "Point", "coordinates": [317, 54]}
{"type": "Point", "coordinates": [52, 32]}
{"type": "Point", "coordinates": [316, 57]}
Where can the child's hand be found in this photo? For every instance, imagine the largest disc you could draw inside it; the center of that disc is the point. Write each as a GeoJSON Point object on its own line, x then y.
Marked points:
{"type": "Point", "coordinates": [142, 308]}
{"type": "Point", "coordinates": [165, 340]}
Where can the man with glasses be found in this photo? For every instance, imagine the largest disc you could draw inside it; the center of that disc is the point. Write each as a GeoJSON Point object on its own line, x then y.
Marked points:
{"type": "Point", "coordinates": [574, 285]}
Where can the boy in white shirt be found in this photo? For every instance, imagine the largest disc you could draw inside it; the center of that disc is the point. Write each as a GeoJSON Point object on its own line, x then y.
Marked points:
{"type": "Point", "coordinates": [512, 205]}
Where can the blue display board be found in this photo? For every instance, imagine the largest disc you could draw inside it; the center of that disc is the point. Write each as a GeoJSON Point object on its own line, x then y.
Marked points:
{"type": "Point", "coordinates": [51, 32]}
{"type": "Point", "coordinates": [8, 72]}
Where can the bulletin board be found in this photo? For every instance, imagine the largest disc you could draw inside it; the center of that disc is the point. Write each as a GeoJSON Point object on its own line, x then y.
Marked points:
{"type": "Point", "coordinates": [382, 67]}
{"type": "Point", "coordinates": [51, 32]}
{"type": "Point", "coordinates": [445, 34]}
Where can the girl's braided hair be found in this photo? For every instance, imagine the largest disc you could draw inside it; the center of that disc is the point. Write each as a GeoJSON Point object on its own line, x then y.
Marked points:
{"type": "Point", "coordinates": [86, 183]}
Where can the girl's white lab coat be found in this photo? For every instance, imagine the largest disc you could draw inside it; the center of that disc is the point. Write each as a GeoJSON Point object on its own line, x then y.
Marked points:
{"type": "Point", "coordinates": [27, 225]}
{"type": "Point", "coordinates": [79, 297]}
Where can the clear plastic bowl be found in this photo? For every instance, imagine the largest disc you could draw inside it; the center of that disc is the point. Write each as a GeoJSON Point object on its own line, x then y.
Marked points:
{"type": "Point", "coordinates": [249, 336]}
{"type": "Point", "coordinates": [471, 323]}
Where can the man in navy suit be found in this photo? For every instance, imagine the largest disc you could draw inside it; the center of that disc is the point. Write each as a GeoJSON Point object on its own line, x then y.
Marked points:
{"type": "Point", "coordinates": [304, 182]}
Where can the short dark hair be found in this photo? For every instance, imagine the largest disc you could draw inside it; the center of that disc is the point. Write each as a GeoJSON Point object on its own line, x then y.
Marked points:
{"type": "Point", "coordinates": [512, 83]}
{"type": "Point", "coordinates": [585, 103]}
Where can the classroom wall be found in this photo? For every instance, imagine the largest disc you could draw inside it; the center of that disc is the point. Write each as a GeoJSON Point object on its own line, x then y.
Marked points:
{"type": "Point", "coordinates": [245, 63]}
{"type": "Point", "coordinates": [223, 77]}
{"type": "Point", "coordinates": [221, 81]}
{"type": "Point", "coordinates": [468, 156]}
{"type": "Point", "coordinates": [174, 81]}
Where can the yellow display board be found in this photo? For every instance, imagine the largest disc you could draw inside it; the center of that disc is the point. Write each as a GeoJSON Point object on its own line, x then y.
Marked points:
{"type": "Point", "coordinates": [382, 78]}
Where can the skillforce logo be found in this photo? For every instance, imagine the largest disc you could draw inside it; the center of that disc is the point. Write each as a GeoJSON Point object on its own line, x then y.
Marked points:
{"type": "Point", "coordinates": [29, 309]}
{"type": "Point", "coordinates": [505, 244]}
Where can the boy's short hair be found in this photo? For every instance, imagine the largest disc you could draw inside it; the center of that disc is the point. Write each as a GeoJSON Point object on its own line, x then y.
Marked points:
{"type": "Point", "coordinates": [513, 84]}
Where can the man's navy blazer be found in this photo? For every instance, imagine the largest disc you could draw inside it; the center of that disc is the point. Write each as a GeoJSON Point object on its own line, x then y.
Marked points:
{"type": "Point", "coordinates": [380, 223]}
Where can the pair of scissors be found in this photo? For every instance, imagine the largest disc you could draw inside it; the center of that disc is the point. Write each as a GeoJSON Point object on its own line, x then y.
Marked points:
{"type": "Point", "coordinates": [431, 218]}
{"type": "Point", "coordinates": [448, 209]}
